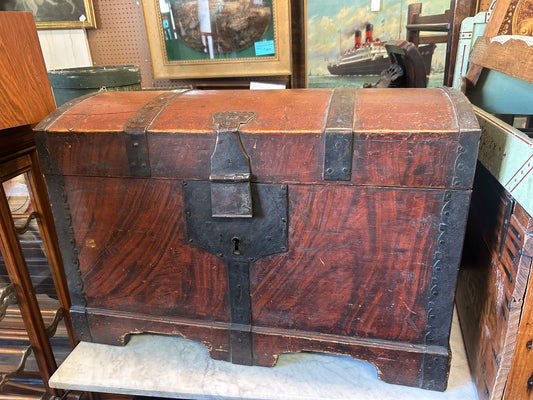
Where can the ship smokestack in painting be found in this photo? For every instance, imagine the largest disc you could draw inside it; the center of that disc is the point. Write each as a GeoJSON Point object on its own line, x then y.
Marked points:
{"type": "Point", "coordinates": [357, 39]}
{"type": "Point", "coordinates": [369, 57]}
{"type": "Point", "coordinates": [369, 37]}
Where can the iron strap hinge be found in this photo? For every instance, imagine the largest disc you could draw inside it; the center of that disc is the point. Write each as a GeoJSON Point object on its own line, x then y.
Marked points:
{"type": "Point", "coordinates": [230, 167]}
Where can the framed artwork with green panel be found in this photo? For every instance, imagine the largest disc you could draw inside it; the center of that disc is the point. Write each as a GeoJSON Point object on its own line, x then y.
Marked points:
{"type": "Point", "coordinates": [218, 38]}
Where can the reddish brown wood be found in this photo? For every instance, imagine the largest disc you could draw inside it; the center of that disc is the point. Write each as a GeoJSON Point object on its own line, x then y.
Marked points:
{"type": "Point", "coordinates": [26, 94]}
{"type": "Point", "coordinates": [169, 283]}
{"type": "Point", "coordinates": [155, 266]}
{"type": "Point", "coordinates": [116, 327]}
{"type": "Point", "coordinates": [41, 205]}
{"type": "Point", "coordinates": [369, 265]}
{"type": "Point", "coordinates": [520, 382]}
{"type": "Point", "coordinates": [386, 359]}
{"type": "Point", "coordinates": [16, 141]}
{"type": "Point", "coordinates": [327, 265]}
{"type": "Point", "coordinates": [378, 158]}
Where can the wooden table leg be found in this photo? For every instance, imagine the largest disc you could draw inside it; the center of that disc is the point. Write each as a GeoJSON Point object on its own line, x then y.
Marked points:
{"type": "Point", "coordinates": [41, 204]}
{"type": "Point", "coordinates": [27, 302]}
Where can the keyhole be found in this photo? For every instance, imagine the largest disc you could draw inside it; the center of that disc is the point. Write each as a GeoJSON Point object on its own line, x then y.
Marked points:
{"type": "Point", "coordinates": [235, 242]}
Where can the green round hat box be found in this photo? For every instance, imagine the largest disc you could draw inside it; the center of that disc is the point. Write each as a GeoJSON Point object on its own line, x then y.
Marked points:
{"type": "Point", "coordinates": [70, 83]}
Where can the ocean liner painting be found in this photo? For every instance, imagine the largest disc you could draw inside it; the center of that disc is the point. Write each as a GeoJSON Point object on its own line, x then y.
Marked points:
{"type": "Point", "coordinates": [370, 57]}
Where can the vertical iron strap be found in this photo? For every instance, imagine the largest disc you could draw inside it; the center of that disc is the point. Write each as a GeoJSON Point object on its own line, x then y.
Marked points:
{"type": "Point", "coordinates": [469, 134]}
{"type": "Point", "coordinates": [239, 242]}
{"type": "Point", "coordinates": [241, 313]}
{"type": "Point", "coordinates": [135, 130]}
{"type": "Point", "coordinates": [338, 146]}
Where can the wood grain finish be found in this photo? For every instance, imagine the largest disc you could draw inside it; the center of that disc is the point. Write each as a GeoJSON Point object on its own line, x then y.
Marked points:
{"type": "Point", "coordinates": [502, 57]}
{"type": "Point", "coordinates": [180, 140]}
{"type": "Point", "coordinates": [116, 328]}
{"type": "Point", "coordinates": [104, 112]}
{"type": "Point", "coordinates": [26, 94]}
{"type": "Point", "coordinates": [520, 382]}
{"type": "Point", "coordinates": [498, 14]}
{"type": "Point", "coordinates": [18, 275]}
{"type": "Point", "coordinates": [161, 273]}
{"type": "Point", "coordinates": [369, 268]}
{"type": "Point", "coordinates": [340, 257]}
{"type": "Point", "coordinates": [289, 112]}
{"type": "Point", "coordinates": [395, 363]}
{"type": "Point", "coordinates": [15, 141]}
{"type": "Point", "coordinates": [154, 270]}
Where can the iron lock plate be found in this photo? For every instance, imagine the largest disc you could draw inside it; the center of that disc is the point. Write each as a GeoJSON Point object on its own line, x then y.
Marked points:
{"type": "Point", "coordinates": [238, 239]}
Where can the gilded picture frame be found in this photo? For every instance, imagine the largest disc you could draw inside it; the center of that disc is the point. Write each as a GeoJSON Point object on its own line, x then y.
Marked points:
{"type": "Point", "coordinates": [56, 14]}
{"type": "Point", "coordinates": [194, 39]}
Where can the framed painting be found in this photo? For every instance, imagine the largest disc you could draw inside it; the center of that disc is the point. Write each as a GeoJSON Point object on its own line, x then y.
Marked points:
{"type": "Point", "coordinates": [55, 14]}
{"type": "Point", "coordinates": [346, 40]}
{"type": "Point", "coordinates": [218, 38]}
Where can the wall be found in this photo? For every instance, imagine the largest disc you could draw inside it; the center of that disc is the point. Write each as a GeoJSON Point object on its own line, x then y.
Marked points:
{"type": "Point", "coordinates": [64, 48]}
{"type": "Point", "coordinates": [120, 39]}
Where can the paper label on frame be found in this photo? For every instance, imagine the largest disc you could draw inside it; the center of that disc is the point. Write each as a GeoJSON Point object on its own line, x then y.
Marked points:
{"type": "Point", "coordinates": [265, 47]}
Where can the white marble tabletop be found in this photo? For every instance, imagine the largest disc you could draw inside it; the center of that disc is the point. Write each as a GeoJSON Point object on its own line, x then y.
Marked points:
{"type": "Point", "coordinates": [166, 366]}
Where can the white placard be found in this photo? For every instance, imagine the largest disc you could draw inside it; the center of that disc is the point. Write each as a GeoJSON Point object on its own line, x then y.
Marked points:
{"type": "Point", "coordinates": [266, 85]}
{"type": "Point", "coordinates": [375, 5]}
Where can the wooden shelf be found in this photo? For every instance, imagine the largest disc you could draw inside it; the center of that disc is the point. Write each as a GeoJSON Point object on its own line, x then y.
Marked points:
{"type": "Point", "coordinates": [16, 359]}
{"type": "Point", "coordinates": [7, 298]}
{"type": "Point", "coordinates": [12, 326]}
{"type": "Point", "coordinates": [13, 361]}
{"type": "Point", "coordinates": [21, 397]}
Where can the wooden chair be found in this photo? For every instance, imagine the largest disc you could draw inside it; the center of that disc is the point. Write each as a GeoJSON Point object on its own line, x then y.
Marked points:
{"type": "Point", "coordinates": [448, 23]}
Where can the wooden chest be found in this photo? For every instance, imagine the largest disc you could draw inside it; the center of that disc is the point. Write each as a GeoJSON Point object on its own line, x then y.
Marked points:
{"type": "Point", "coordinates": [494, 292]}
{"type": "Point", "coordinates": [495, 283]}
{"type": "Point", "coordinates": [266, 222]}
